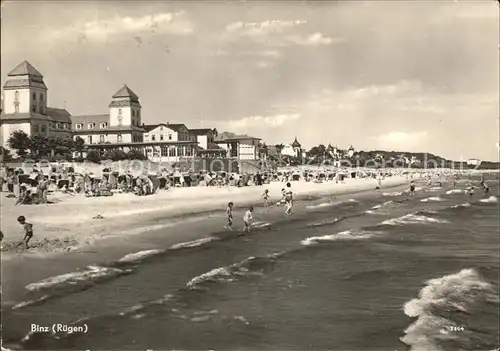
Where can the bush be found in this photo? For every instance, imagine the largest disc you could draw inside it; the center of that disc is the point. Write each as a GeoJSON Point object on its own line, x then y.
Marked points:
{"type": "Point", "coordinates": [93, 156]}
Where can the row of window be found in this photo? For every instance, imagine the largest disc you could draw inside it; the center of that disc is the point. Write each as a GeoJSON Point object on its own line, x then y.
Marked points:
{"type": "Point", "coordinates": [102, 125]}
{"type": "Point", "coordinates": [41, 96]}
{"type": "Point", "coordinates": [153, 137]}
{"type": "Point", "coordinates": [60, 125]}
{"type": "Point", "coordinates": [119, 138]}
{"type": "Point", "coordinates": [171, 151]}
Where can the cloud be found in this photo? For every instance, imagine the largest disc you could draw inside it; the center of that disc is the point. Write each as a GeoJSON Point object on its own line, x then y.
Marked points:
{"type": "Point", "coordinates": [315, 39]}
{"type": "Point", "coordinates": [101, 30]}
{"type": "Point", "coordinates": [264, 64]}
{"type": "Point", "coordinates": [272, 32]}
{"type": "Point", "coordinates": [397, 140]}
{"type": "Point", "coordinates": [258, 53]}
{"type": "Point", "coordinates": [263, 121]}
{"type": "Point", "coordinates": [257, 29]}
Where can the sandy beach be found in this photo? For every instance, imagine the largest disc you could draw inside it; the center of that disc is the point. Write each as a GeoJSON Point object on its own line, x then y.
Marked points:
{"type": "Point", "coordinates": [68, 222]}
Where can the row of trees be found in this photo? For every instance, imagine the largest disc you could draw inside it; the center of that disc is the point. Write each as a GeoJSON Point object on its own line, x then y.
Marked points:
{"type": "Point", "coordinates": [37, 147]}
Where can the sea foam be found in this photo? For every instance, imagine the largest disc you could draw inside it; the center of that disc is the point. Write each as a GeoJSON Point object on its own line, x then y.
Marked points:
{"type": "Point", "coordinates": [490, 200]}
{"type": "Point", "coordinates": [454, 292]}
{"type": "Point", "coordinates": [345, 235]}
{"type": "Point", "coordinates": [412, 219]}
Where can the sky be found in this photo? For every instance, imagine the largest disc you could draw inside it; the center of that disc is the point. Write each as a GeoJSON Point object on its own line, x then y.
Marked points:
{"type": "Point", "coordinates": [396, 75]}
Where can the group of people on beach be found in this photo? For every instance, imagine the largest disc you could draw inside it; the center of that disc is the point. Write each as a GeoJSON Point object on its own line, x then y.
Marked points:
{"type": "Point", "coordinates": [286, 199]}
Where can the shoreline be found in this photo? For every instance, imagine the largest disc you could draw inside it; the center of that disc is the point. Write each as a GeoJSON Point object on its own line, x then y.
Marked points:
{"type": "Point", "coordinates": [68, 225]}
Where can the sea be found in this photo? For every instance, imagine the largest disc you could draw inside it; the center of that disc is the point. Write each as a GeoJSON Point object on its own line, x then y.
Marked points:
{"type": "Point", "coordinates": [376, 270]}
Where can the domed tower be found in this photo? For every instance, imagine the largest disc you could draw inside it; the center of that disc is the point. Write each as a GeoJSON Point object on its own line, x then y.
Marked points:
{"type": "Point", "coordinates": [125, 109]}
{"type": "Point", "coordinates": [350, 151]}
{"type": "Point", "coordinates": [297, 148]}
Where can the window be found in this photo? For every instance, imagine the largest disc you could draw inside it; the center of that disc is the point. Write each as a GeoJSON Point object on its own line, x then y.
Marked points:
{"type": "Point", "coordinates": [16, 106]}
{"type": "Point", "coordinates": [133, 113]}
{"type": "Point", "coordinates": [44, 129]}
{"type": "Point", "coordinates": [90, 139]}
{"type": "Point", "coordinates": [16, 96]}
{"type": "Point", "coordinates": [36, 128]}
{"type": "Point", "coordinates": [101, 138]}
{"type": "Point", "coordinates": [79, 126]}
{"type": "Point", "coordinates": [120, 118]}
{"type": "Point", "coordinates": [41, 97]}
{"type": "Point", "coordinates": [91, 125]}
{"type": "Point", "coordinates": [33, 108]}
{"type": "Point", "coordinates": [58, 125]}
{"type": "Point", "coordinates": [66, 126]}
{"type": "Point", "coordinates": [103, 125]}
{"type": "Point", "coordinates": [169, 136]}
{"type": "Point", "coordinates": [119, 138]}
{"type": "Point", "coordinates": [153, 137]}
{"type": "Point", "coordinates": [161, 137]}
{"type": "Point", "coordinates": [34, 96]}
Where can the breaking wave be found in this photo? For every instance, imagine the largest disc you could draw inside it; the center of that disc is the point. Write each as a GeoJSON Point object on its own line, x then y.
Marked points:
{"type": "Point", "coordinates": [465, 205]}
{"type": "Point", "coordinates": [434, 198]}
{"type": "Point", "coordinates": [490, 200]}
{"type": "Point", "coordinates": [345, 235]}
{"type": "Point", "coordinates": [438, 307]}
{"type": "Point", "coordinates": [330, 204]}
{"type": "Point", "coordinates": [412, 219]}
{"type": "Point", "coordinates": [455, 191]}
{"type": "Point", "coordinates": [392, 194]}
{"type": "Point", "coordinates": [138, 256]}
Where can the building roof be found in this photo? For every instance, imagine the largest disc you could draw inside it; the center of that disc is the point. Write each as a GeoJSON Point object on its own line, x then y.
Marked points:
{"type": "Point", "coordinates": [23, 116]}
{"type": "Point", "coordinates": [175, 126]}
{"type": "Point", "coordinates": [23, 69]}
{"type": "Point", "coordinates": [296, 143]}
{"type": "Point", "coordinates": [90, 119]}
{"type": "Point", "coordinates": [59, 115]}
{"type": "Point", "coordinates": [227, 136]}
{"type": "Point", "coordinates": [30, 82]}
{"type": "Point", "coordinates": [126, 92]}
{"type": "Point", "coordinates": [201, 131]}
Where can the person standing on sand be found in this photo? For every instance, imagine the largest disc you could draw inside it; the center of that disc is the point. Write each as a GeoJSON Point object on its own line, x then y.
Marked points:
{"type": "Point", "coordinates": [265, 197]}
{"type": "Point", "coordinates": [412, 188]}
{"type": "Point", "coordinates": [28, 230]}
{"type": "Point", "coordinates": [288, 199]}
{"type": "Point", "coordinates": [229, 214]}
{"type": "Point", "coordinates": [248, 220]}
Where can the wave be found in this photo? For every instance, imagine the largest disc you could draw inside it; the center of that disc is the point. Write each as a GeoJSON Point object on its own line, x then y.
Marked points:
{"type": "Point", "coordinates": [249, 266]}
{"type": "Point", "coordinates": [91, 273]}
{"type": "Point", "coordinates": [331, 204]}
{"type": "Point", "coordinates": [412, 218]}
{"type": "Point", "coordinates": [434, 198]}
{"type": "Point", "coordinates": [434, 324]}
{"type": "Point", "coordinates": [455, 191]}
{"type": "Point", "coordinates": [345, 235]}
{"type": "Point", "coordinates": [193, 243]}
{"type": "Point", "coordinates": [435, 188]}
{"type": "Point", "coordinates": [392, 194]}
{"type": "Point", "coordinates": [138, 256]}
{"type": "Point", "coordinates": [465, 205]}
{"type": "Point", "coordinates": [490, 200]}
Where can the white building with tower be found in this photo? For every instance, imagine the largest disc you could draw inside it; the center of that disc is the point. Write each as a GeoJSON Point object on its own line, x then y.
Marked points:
{"type": "Point", "coordinates": [24, 107]}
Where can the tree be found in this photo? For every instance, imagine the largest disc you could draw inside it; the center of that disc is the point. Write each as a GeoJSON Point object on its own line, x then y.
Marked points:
{"type": "Point", "coordinates": [39, 145]}
{"type": "Point", "coordinates": [135, 155]}
{"type": "Point", "coordinates": [93, 156]}
{"type": "Point", "coordinates": [5, 154]}
{"type": "Point", "coordinates": [79, 145]}
{"type": "Point", "coordinates": [20, 142]}
{"type": "Point", "coordinates": [279, 149]}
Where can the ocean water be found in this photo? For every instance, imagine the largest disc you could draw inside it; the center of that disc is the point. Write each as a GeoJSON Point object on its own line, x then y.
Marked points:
{"type": "Point", "coordinates": [369, 271]}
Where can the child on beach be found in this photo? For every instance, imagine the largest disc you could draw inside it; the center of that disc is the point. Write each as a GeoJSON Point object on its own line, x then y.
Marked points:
{"type": "Point", "coordinates": [28, 230]}
{"type": "Point", "coordinates": [248, 219]}
{"type": "Point", "coordinates": [471, 191]}
{"type": "Point", "coordinates": [229, 214]}
{"type": "Point", "coordinates": [282, 200]}
{"type": "Point", "coordinates": [265, 196]}
{"type": "Point", "coordinates": [412, 188]}
{"type": "Point", "coordinates": [288, 199]}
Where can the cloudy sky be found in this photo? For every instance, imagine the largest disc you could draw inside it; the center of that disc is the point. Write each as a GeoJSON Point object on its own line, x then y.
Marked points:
{"type": "Point", "coordinates": [405, 76]}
